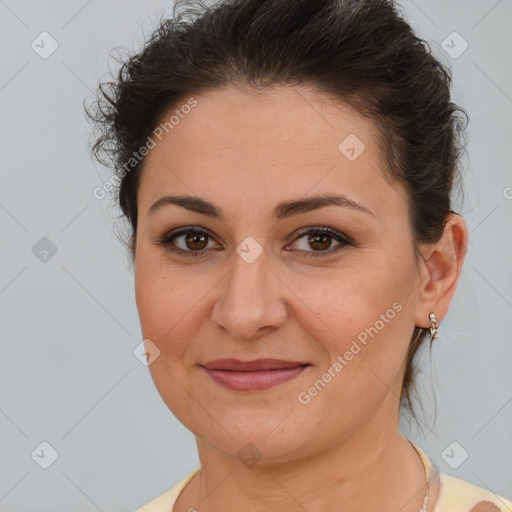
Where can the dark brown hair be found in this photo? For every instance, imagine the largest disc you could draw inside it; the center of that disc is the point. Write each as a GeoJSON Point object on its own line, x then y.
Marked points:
{"type": "Point", "coordinates": [363, 52]}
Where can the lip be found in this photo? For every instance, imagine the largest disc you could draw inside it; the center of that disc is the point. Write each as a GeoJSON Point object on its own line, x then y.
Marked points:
{"type": "Point", "coordinates": [251, 366]}
{"type": "Point", "coordinates": [256, 375]}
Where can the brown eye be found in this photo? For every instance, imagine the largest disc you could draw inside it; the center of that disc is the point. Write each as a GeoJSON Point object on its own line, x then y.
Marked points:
{"type": "Point", "coordinates": [188, 242]}
{"type": "Point", "coordinates": [317, 242]}
{"type": "Point", "coordinates": [196, 241]}
{"type": "Point", "coordinates": [320, 242]}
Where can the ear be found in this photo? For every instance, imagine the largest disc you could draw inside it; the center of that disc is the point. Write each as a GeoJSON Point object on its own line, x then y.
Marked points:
{"type": "Point", "coordinates": [440, 272]}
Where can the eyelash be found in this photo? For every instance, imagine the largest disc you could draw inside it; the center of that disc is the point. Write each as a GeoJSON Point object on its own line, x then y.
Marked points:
{"type": "Point", "coordinates": [344, 241]}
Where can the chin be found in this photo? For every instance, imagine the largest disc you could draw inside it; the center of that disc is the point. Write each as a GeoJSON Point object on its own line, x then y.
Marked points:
{"type": "Point", "coordinates": [256, 438]}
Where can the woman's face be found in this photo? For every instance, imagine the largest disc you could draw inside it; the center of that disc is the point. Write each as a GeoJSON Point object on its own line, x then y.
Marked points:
{"type": "Point", "coordinates": [262, 287]}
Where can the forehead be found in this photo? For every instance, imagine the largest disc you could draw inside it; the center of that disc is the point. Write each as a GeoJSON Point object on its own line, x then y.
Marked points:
{"type": "Point", "coordinates": [262, 146]}
{"type": "Point", "coordinates": [289, 116]}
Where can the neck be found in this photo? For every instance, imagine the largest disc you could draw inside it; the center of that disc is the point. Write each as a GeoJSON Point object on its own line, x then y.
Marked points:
{"type": "Point", "coordinates": [371, 471]}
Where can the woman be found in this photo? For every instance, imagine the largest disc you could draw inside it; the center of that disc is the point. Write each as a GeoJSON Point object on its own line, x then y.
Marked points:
{"type": "Point", "coordinates": [286, 168]}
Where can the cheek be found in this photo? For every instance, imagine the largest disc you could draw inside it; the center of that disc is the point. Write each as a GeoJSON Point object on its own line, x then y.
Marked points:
{"type": "Point", "coordinates": [362, 316]}
{"type": "Point", "coordinates": [166, 302]}
{"type": "Point", "coordinates": [349, 303]}
{"type": "Point", "coordinates": [168, 305]}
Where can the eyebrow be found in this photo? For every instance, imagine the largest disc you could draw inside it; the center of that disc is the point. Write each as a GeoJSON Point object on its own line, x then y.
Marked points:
{"type": "Point", "coordinates": [283, 210]}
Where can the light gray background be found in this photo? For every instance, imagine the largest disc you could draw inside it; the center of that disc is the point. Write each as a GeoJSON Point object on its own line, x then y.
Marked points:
{"type": "Point", "coordinates": [68, 374]}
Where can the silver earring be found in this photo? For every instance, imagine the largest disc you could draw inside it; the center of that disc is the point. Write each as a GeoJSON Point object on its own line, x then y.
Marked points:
{"type": "Point", "coordinates": [434, 327]}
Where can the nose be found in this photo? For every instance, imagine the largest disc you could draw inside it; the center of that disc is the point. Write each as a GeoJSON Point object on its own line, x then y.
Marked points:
{"type": "Point", "coordinates": [250, 303]}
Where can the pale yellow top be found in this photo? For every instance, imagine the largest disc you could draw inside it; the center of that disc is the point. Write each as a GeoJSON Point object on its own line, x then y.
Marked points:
{"type": "Point", "coordinates": [455, 495]}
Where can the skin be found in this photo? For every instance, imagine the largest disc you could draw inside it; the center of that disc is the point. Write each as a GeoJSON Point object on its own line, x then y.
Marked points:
{"type": "Point", "coordinates": [246, 153]}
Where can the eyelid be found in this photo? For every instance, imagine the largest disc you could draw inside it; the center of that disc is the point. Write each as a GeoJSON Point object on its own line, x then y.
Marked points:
{"type": "Point", "coordinates": [342, 239]}
{"type": "Point", "coordinates": [325, 230]}
{"type": "Point", "coordinates": [165, 240]}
